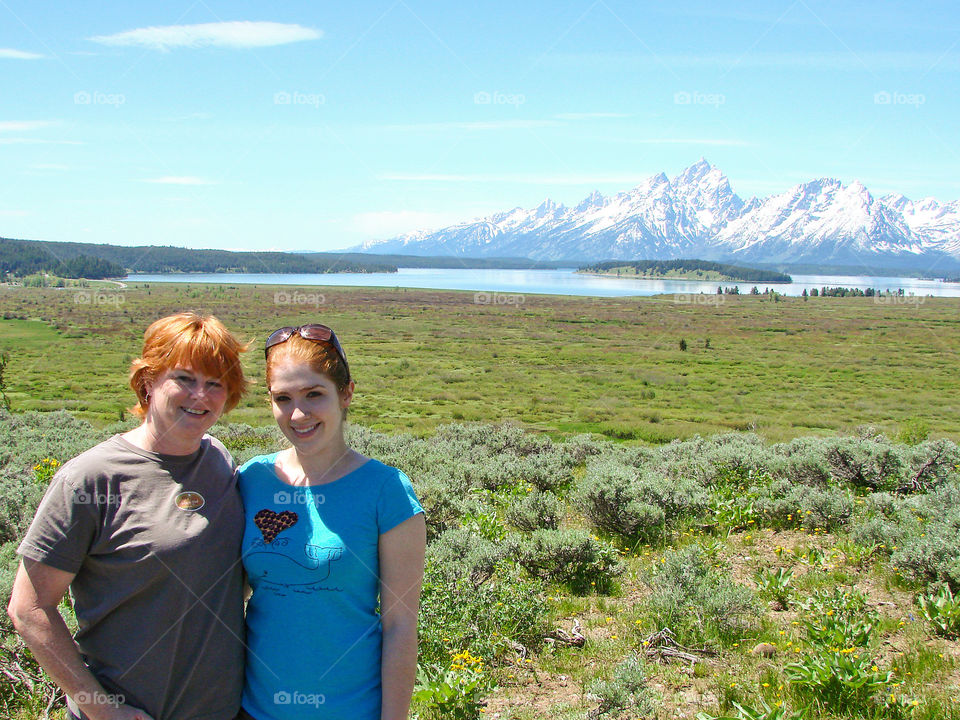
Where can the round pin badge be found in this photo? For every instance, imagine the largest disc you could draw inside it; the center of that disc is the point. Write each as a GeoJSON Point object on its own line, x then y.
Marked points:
{"type": "Point", "coordinates": [189, 501]}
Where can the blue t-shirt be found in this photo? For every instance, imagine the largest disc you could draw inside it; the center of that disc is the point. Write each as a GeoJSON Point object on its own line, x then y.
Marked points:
{"type": "Point", "coordinates": [311, 556]}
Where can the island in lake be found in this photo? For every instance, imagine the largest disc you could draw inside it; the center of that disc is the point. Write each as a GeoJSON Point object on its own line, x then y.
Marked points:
{"type": "Point", "coordinates": [683, 270]}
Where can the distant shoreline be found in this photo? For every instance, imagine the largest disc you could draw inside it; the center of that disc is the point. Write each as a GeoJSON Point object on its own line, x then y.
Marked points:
{"type": "Point", "coordinates": [625, 276]}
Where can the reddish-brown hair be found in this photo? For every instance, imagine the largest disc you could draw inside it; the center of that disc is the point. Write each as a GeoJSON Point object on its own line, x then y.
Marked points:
{"type": "Point", "coordinates": [321, 357]}
{"type": "Point", "coordinates": [189, 340]}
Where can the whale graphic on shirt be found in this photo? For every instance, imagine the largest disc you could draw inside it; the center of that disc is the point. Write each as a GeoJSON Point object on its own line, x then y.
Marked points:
{"type": "Point", "coordinates": [314, 568]}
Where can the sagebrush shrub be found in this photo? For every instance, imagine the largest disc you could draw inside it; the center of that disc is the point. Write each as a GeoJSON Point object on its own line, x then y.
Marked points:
{"type": "Point", "coordinates": [626, 691]}
{"type": "Point", "coordinates": [458, 553]}
{"type": "Point", "coordinates": [535, 511]}
{"type": "Point", "coordinates": [572, 557]}
{"type": "Point", "coordinates": [696, 601]}
{"type": "Point", "coordinates": [636, 502]}
{"type": "Point", "coordinates": [785, 504]}
{"type": "Point", "coordinates": [605, 494]}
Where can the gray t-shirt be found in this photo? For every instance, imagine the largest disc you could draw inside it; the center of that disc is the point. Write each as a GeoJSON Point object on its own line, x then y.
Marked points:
{"type": "Point", "coordinates": [154, 541]}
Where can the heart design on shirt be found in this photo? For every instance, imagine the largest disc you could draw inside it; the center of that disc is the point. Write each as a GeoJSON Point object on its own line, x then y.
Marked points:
{"type": "Point", "coordinates": [272, 524]}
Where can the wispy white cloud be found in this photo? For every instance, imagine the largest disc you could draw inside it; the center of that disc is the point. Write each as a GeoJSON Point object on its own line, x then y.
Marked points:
{"type": "Point", "coordinates": [11, 54]}
{"type": "Point", "coordinates": [13, 213]}
{"type": "Point", "coordinates": [476, 125]}
{"type": "Point", "coordinates": [238, 34]}
{"type": "Point", "coordinates": [25, 125]}
{"type": "Point", "coordinates": [519, 178]}
{"type": "Point", "coordinates": [180, 180]}
{"type": "Point", "coordinates": [49, 166]}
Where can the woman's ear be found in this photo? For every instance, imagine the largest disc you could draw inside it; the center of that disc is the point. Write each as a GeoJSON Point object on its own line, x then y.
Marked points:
{"type": "Point", "coordinates": [346, 395]}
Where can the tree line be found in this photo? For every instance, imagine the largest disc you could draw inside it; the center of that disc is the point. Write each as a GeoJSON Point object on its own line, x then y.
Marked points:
{"type": "Point", "coordinates": [68, 259]}
{"type": "Point", "coordinates": [19, 258]}
{"type": "Point", "coordinates": [662, 267]}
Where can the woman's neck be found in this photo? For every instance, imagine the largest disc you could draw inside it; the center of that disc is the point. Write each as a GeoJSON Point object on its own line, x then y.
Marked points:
{"type": "Point", "coordinates": [319, 468]}
{"type": "Point", "coordinates": [147, 438]}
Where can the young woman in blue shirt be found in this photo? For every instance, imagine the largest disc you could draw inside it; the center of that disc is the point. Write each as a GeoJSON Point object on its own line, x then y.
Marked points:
{"type": "Point", "coordinates": [333, 549]}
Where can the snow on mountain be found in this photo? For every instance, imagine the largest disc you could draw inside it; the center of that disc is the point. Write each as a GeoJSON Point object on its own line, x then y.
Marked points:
{"type": "Point", "coordinates": [697, 214]}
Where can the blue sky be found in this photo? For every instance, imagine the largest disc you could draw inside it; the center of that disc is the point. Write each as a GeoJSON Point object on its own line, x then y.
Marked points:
{"type": "Point", "coordinates": [317, 125]}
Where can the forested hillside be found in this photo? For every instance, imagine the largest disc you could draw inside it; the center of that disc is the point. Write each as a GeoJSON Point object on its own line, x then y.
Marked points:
{"type": "Point", "coordinates": [161, 259]}
{"type": "Point", "coordinates": [20, 258]}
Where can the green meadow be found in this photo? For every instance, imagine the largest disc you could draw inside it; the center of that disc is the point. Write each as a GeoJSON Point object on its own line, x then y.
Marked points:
{"type": "Point", "coordinates": [562, 365]}
{"type": "Point", "coordinates": [793, 556]}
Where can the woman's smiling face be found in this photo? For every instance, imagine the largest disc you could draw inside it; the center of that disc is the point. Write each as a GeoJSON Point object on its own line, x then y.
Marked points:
{"type": "Point", "coordinates": [184, 404]}
{"type": "Point", "coordinates": [307, 406]}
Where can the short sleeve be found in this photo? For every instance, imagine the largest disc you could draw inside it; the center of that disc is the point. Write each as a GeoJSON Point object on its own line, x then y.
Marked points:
{"type": "Point", "coordinates": [63, 528]}
{"type": "Point", "coordinates": [397, 501]}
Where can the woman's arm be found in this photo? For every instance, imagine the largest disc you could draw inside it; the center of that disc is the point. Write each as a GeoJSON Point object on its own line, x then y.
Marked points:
{"type": "Point", "coordinates": [37, 592]}
{"type": "Point", "coordinates": [401, 574]}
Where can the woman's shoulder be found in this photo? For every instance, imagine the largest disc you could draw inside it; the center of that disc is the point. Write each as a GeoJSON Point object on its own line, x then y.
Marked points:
{"type": "Point", "coordinates": [94, 462]}
{"type": "Point", "coordinates": [381, 472]}
{"type": "Point", "coordinates": [259, 463]}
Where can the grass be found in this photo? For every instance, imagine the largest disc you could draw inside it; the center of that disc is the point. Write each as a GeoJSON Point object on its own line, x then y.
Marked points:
{"type": "Point", "coordinates": [614, 367]}
{"type": "Point", "coordinates": [562, 365]}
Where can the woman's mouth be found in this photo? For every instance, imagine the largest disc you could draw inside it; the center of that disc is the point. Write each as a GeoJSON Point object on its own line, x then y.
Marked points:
{"type": "Point", "coordinates": [195, 411]}
{"type": "Point", "coordinates": [302, 432]}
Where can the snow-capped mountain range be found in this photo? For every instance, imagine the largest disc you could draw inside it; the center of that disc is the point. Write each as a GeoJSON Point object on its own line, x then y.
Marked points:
{"type": "Point", "coordinates": [697, 215]}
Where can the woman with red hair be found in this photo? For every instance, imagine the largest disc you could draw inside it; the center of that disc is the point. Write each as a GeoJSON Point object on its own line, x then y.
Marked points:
{"type": "Point", "coordinates": [144, 530]}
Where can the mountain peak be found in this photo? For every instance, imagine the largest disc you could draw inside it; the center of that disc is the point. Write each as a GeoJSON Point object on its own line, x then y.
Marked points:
{"type": "Point", "coordinates": [593, 200]}
{"type": "Point", "coordinates": [547, 207]}
{"type": "Point", "coordinates": [697, 214]}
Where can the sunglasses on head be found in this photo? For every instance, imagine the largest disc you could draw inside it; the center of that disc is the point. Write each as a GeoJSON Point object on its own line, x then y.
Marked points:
{"type": "Point", "coordinates": [314, 332]}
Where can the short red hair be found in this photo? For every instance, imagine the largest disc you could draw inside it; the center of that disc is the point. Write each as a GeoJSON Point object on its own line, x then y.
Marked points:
{"type": "Point", "coordinates": [189, 340]}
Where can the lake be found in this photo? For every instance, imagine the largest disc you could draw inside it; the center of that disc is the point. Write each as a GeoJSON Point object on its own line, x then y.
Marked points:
{"type": "Point", "coordinates": [553, 282]}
